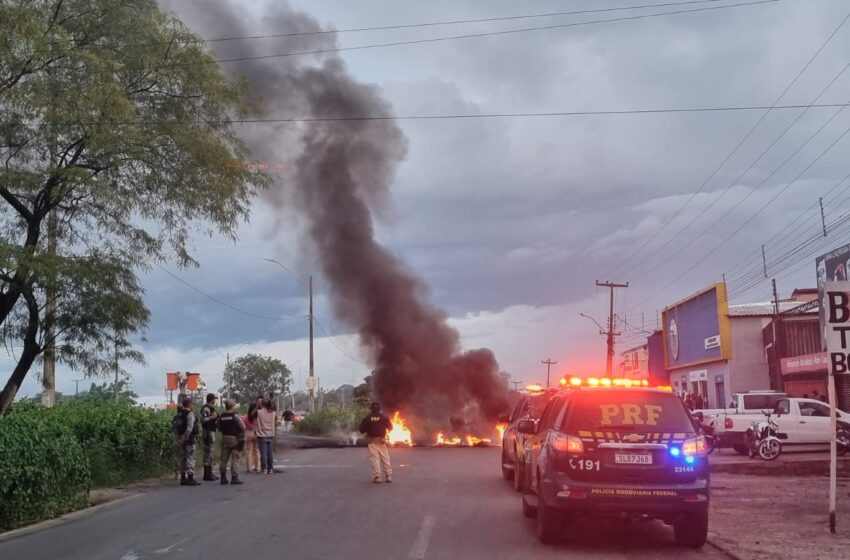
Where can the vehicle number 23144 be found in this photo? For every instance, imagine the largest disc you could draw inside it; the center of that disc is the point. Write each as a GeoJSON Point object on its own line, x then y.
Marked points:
{"type": "Point", "coordinates": [584, 464]}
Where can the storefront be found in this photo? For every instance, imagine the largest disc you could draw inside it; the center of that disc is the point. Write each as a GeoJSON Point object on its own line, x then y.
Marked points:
{"type": "Point", "coordinates": [713, 350]}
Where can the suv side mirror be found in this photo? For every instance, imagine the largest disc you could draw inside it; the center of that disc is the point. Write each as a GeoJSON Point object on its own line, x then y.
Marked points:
{"type": "Point", "coordinates": [505, 418]}
{"type": "Point", "coordinates": [527, 427]}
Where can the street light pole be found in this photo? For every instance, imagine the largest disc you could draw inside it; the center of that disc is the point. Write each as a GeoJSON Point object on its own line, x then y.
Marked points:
{"type": "Point", "coordinates": [312, 365]}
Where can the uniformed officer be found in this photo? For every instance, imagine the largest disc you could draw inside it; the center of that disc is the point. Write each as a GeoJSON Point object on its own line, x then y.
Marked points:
{"type": "Point", "coordinates": [376, 425]}
{"type": "Point", "coordinates": [232, 430]}
{"type": "Point", "coordinates": [209, 421]}
{"type": "Point", "coordinates": [178, 447]}
{"type": "Point", "coordinates": [186, 431]}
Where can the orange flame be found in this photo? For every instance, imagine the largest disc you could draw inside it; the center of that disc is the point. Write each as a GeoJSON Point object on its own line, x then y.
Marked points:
{"type": "Point", "coordinates": [441, 440]}
{"type": "Point", "coordinates": [500, 428]}
{"type": "Point", "coordinates": [400, 434]}
{"type": "Point", "coordinates": [472, 441]}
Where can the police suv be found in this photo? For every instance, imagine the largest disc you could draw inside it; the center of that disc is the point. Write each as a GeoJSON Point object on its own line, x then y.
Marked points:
{"type": "Point", "coordinates": [616, 448]}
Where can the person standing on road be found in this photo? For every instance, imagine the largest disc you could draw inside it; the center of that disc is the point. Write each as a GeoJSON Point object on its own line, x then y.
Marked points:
{"type": "Point", "coordinates": [266, 421]}
{"type": "Point", "coordinates": [376, 425]}
{"type": "Point", "coordinates": [186, 430]}
{"type": "Point", "coordinates": [232, 442]}
{"type": "Point", "coordinates": [252, 451]}
{"type": "Point", "coordinates": [209, 421]}
{"type": "Point", "coordinates": [288, 416]}
{"type": "Point", "coordinates": [175, 427]}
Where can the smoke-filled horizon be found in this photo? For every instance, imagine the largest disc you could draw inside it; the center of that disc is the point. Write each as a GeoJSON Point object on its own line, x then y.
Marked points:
{"type": "Point", "coordinates": [338, 177]}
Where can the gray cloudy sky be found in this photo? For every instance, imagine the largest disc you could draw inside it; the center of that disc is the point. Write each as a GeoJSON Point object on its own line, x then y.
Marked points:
{"type": "Point", "coordinates": [511, 220]}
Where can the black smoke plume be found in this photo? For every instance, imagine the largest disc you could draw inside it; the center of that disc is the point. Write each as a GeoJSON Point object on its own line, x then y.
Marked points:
{"type": "Point", "coordinates": [339, 178]}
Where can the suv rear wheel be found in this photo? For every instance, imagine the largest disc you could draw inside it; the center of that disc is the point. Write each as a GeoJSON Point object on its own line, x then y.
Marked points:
{"type": "Point", "coordinates": [519, 475]}
{"type": "Point", "coordinates": [550, 521]}
{"type": "Point", "coordinates": [692, 530]}
{"type": "Point", "coordinates": [507, 473]}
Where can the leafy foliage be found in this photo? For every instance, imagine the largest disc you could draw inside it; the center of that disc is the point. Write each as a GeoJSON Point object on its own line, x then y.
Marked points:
{"type": "Point", "coordinates": [251, 375]}
{"type": "Point", "coordinates": [45, 469]}
{"type": "Point", "coordinates": [331, 420]}
{"type": "Point", "coordinates": [116, 121]}
{"type": "Point", "coordinates": [52, 457]}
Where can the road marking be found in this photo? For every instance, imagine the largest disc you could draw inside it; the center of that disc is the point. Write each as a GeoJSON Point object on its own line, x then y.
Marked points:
{"type": "Point", "coordinates": [168, 549]}
{"type": "Point", "coordinates": [420, 545]}
{"type": "Point", "coordinates": [130, 555]}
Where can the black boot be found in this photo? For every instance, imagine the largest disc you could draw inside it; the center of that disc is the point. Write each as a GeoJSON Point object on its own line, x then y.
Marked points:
{"type": "Point", "coordinates": [224, 478]}
{"type": "Point", "coordinates": [208, 474]}
{"type": "Point", "coordinates": [190, 480]}
{"type": "Point", "coordinates": [235, 480]}
{"type": "Point", "coordinates": [182, 479]}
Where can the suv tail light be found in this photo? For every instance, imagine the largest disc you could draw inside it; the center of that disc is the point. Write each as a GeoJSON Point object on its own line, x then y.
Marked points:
{"type": "Point", "coordinates": [694, 447]}
{"type": "Point", "coordinates": [567, 444]}
{"type": "Point", "coordinates": [729, 423]}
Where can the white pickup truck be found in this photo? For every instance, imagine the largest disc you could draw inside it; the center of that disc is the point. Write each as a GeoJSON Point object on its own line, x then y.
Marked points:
{"type": "Point", "coordinates": [801, 422]}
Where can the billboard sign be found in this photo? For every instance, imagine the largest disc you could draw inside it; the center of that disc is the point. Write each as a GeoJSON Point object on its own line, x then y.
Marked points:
{"type": "Point", "coordinates": [808, 363]}
{"type": "Point", "coordinates": [832, 267]}
{"type": "Point", "coordinates": [836, 313]}
{"type": "Point", "coordinates": [696, 330]}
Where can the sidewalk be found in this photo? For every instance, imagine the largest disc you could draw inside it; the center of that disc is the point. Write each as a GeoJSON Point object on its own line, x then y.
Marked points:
{"type": "Point", "coordinates": [756, 518]}
{"type": "Point", "coordinates": [788, 464]}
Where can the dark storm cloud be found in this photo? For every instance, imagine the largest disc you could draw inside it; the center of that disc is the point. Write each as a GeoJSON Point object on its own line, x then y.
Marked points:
{"type": "Point", "coordinates": [528, 211]}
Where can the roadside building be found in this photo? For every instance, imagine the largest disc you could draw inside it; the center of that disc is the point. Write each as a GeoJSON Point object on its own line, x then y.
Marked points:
{"type": "Point", "coordinates": [715, 349]}
{"type": "Point", "coordinates": [635, 364]}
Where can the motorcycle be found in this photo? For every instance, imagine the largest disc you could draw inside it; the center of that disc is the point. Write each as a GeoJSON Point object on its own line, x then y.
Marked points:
{"type": "Point", "coordinates": [842, 438]}
{"type": "Point", "coordinates": [764, 439]}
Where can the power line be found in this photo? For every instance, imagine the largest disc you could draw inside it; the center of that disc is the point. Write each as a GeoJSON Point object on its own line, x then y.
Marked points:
{"type": "Point", "coordinates": [735, 151]}
{"type": "Point", "coordinates": [397, 26]}
{"type": "Point", "coordinates": [750, 219]}
{"type": "Point", "coordinates": [721, 109]}
{"type": "Point", "coordinates": [331, 338]}
{"type": "Point", "coordinates": [474, 35]}
{"type": "Point", "coordinates": [225, 304]}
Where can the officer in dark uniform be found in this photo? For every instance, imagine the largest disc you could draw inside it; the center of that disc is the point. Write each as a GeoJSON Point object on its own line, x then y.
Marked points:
{"type": "Point", "coordinates": [376, 425]}
{"type": "Point", "coordinates": [186, 433]}
{"type": "Point", "coordinates": [209, 423]}
{"type": "Point", "coordinates": [232, 430]}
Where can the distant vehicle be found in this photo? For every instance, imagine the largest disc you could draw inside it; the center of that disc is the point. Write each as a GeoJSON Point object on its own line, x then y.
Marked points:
{"type": "Point", "coordinates": [750, 403]}
{"type": "Point", "coordinates": [799, 422]}
{"type": "Point", "coordinates": [529, 407]}
{"type": "Point", "coordinates": [621, 452]}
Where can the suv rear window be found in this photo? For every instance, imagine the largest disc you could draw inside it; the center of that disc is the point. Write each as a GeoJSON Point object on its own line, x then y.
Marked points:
{"type": "Point", "coordinates": [633, 411]}
{"type": "Point", "coordinates": [538, 403]}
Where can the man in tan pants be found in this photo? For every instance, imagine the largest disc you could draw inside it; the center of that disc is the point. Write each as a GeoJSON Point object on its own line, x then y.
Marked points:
{"type": "Point", "coordinates": [376, 425]}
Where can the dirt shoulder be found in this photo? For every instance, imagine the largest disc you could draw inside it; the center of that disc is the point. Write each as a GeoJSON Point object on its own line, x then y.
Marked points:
{"type": "Point", "coordinates": [761, 517]}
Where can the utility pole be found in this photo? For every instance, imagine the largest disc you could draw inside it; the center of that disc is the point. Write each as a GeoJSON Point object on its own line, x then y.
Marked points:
{"type": "Point", "coordinates": [312, 380]}
{"type": "Point", "coordinates": [549, 363]}
{"type": "Point", "coordinates": [227, 369]}
{"type": "Point", "coordinates": [822, 216]}
{"type": "Point", "coordinates": [516, 385]}
{"type": "Point", "coordinates": [48, 377]}
{"type": "Point", "coordinates": [76, 387]}
{"type": "Point", "coordinates": [609, 364]}
{"type": "Point", "coordinates": [764, 260]}
{"type": "Point", "coordinates": [115, 387]}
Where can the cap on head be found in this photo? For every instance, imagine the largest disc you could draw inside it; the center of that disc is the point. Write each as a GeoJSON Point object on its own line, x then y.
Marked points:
{"type": "Point", "coordinates": [375, 407]}
{"type": "Point", "coordinates": [211, 397]}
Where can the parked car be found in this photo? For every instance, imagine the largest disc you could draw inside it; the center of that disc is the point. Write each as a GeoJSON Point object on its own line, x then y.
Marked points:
{"type": "Point", "coordinates": [529, 407]}
{"type": "Point", "coordinates": [624, 452]}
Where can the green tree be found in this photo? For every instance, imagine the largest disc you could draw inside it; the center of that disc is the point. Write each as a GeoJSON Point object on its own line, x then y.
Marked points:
{"type": "Point", "coordinates": [362, 394]}
{"type": "Point", "coordinates": [251, 375]}
{"type": "Point", "coordinates": [117, 144]}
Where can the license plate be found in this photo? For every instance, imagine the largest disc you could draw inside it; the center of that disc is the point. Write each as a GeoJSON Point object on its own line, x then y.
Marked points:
{"type": "Point", "coordinates": [633, 458]}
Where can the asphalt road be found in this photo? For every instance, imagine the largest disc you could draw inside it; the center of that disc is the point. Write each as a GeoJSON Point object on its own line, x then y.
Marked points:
{"type": "Point", "coordinates": [444, 504]}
